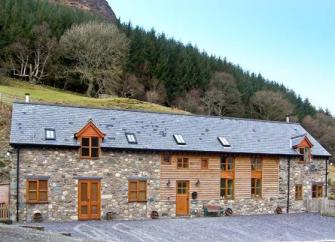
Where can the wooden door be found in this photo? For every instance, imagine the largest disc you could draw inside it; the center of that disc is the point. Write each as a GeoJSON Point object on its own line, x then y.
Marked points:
{"type": "Point", "coordinates": [89, 199]}
{"type": "Point", "coordinates": [182, 198]}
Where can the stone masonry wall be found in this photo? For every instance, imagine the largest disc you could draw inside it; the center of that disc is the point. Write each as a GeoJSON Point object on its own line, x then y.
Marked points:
{"type": "Point", "coordinates": [64, 165]}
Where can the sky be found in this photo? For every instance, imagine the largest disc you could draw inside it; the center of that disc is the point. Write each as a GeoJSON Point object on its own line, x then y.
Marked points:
{"type": "Point", "coordinates": [288, 41]}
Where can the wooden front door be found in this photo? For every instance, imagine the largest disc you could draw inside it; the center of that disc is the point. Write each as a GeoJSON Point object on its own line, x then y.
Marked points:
{"type": "Point", "coordinates": [182, 198]}
{"type": "Point", "coordinates": [89, 199]}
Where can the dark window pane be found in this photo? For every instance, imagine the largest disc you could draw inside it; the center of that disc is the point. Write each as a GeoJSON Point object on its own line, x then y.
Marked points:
{"type": "Point", "coordinates": [185, 163]}
{"type": "Point", "coordinates": [314, 191]}
{"type": "Point", "coordinates": [223, 163]}
{"type": "Point", "coordinates": [95, 152]}
{"type": "Point", "coordinates": [85, 152]}
{"type": "Point", "coordinates": [166, 159]}
{"type": "Point", "coordinates": [85, 141]}
{"type": "Point", "coordinates": [230, 184]}
{"type": "Point", "coordinates": [180, 163]}
{"type": "Point", "coordinates": [230, 164]}
{"type": "Point", "coordinates": [256, 164]}
{"type": "Point", "coordinates": [95, 141]}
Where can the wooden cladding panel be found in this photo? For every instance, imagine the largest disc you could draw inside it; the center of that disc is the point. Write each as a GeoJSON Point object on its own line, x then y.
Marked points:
{"type": "Point", "coordinates": [270, 177]}
{"type": "Point", "coordinates": [242, 177]}
{"type": "Point", "coordinates": [209, 187]}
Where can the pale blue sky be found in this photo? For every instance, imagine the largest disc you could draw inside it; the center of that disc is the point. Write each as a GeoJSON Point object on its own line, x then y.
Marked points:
{"type": "Point", "coordinates": [288, 41]}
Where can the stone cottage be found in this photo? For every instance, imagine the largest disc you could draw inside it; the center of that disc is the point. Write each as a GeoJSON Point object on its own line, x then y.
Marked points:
{"type": "Point", "coordinates": [77, 163]}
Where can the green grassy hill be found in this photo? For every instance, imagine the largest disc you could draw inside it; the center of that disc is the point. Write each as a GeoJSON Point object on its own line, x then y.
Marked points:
{"type": "Point", "coordinates": [12, 89]}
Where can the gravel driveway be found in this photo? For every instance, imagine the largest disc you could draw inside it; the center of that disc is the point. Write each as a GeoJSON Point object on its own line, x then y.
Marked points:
{"type": "Point", "coordinates": [293, 227]}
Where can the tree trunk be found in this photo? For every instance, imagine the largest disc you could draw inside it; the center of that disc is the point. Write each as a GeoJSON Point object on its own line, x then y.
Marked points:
{"type": "Point", "coordinates": [89, 88]}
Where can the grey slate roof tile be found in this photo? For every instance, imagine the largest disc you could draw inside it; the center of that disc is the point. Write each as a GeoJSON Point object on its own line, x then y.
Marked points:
{"type": "Point", "coordinates": [155, 130]}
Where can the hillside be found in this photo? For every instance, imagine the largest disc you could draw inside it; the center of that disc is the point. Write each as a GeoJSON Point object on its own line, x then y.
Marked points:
{"type": "Point", "coordinates": [12, 89]}
{"type": "Point", "coordinates": [100, 7]}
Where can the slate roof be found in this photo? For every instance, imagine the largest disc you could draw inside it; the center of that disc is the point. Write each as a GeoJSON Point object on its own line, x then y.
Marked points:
{"type": "Point", "coordinates": [154, 131]}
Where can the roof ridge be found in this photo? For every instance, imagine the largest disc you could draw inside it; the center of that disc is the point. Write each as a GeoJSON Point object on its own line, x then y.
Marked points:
{"type": "Point", "coordinates": [153, 112]}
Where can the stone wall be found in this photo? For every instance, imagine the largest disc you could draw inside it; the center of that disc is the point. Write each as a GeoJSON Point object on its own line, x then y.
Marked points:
{"type": "Point", "coordinates": [63, 166]}
{"type": "Point", "coordinates": [307, 174]}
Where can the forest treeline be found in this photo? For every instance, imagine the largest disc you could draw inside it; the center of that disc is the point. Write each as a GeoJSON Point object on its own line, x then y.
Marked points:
{"type": "Point", "coordinates": [59, 46]}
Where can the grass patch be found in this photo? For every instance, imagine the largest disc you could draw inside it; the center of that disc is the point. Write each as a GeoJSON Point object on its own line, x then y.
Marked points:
{"type": "Point", "coordinates": [13, 89]}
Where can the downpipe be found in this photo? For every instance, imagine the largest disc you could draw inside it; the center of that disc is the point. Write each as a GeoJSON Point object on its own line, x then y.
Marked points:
{"type": "Point", "coordinates": [288, 184]}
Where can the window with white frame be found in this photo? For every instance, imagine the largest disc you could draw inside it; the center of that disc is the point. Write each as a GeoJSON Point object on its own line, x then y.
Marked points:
{"type": "Point", "coordinates": [50, 134]}
{"type": "Point", "coordinates": [131, 138]}
{"type": "Point", "coordinates": [179, 139]}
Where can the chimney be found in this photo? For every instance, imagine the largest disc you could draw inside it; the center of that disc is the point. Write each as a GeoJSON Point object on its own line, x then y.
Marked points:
{"type": "Point", "coordinates": [27, 98]}
{"type": "Point", "coordinates": [287, 118]}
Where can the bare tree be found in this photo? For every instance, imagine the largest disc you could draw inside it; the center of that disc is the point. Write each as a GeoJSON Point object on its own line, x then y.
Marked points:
{"type": "Point", "coordinates": [192, 102]}
{"type": "Point", "coordinates": [43, 47]}
{"type": "Point", "coordinates": [29, 59]}
{"type": "Point", "coordinates": [222, 97]}
{"type": "Point", "coordinates": [270, 105]}
{"type": "Point", "coordinates": [97, 53]}
{"type": "Point", "coordinates": [19, 56]}
{"type": "Point", "coordinates": [132, 87]}
{"type": "Point", "coordinates": [155, 92]}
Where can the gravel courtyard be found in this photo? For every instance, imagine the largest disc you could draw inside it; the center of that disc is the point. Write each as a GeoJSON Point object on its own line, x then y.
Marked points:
{"type": "Point", "coordinates": [293, 227]}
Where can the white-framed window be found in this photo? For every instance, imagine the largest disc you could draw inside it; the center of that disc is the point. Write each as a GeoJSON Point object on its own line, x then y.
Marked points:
{"type": "Point", "coordinates": [224, 142]}
{"type": "Point", "coordinates": [50, 134]}
{"type": "Point", "coordinates": [131, 138]}
{"type": "Point", "coordinates": [179, 139]}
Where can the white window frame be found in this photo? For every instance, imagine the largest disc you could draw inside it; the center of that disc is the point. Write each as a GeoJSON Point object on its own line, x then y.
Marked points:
{"type": "Point", "coordinates": [131, 138]}
{"type": "Point", "coordinates": [179, 139]}
{"type": "Point", "coordinates": [224, 142]}
{"type": "Point", "coordinates": [49, 132]}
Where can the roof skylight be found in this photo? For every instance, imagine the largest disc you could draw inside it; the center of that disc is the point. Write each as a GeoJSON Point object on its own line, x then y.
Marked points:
{"type": "Point", "coordinates": [131, 138]}
{"type": "Point", "coordinates": [50, 134]}
{"type": "Point", "coordinates": [224, 142]}
{"type": "Point", "coordinates": [179, 139]}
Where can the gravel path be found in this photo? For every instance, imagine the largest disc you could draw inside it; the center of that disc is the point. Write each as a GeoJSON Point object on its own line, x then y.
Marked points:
{"type": "Point", "coordinates": [293, 227]}
{"type": "Point", "coordinates": [13, 233]}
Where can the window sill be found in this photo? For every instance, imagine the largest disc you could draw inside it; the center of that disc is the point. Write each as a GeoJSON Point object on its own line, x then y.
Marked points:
{"type": "Point", "coordinates": [137, 201]}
